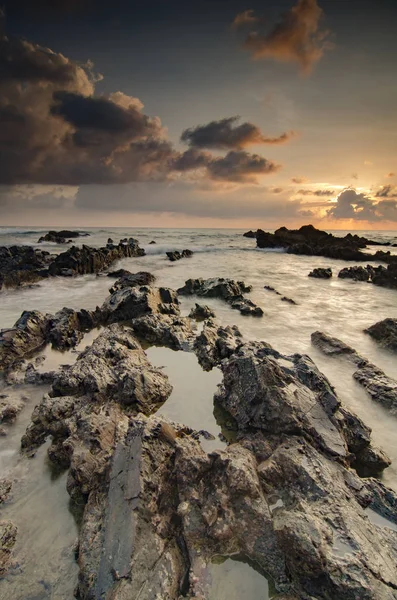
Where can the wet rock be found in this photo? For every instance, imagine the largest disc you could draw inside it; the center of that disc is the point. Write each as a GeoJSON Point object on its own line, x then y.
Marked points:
{"type": "Point", "coordinates": [27, 335]}
{"type": "Point", "coordinates": [313, 242]}
{"type": "Point", "coordinates": [385, 333]}
{"type": "Point", "coordinates": [5, 489]}
{"type": "Point", "coordinates": [60, 237]}
{"type": "Point", "coordinates": [152, 242]}
{"type": "Point", "coordinates": [8, 537]}
{"type": "Point", "coordinates": [133, 302]}
{"type": "Point", "coordinates": [201, 312]}
{"type": "Point", "coordinates": [269, 288]}
{"type": "Point", "coordinates": [175, 255]}
{"type": "Point", "coordinates": [289, 300]}
{"type": "Point", "coordinates": [64, 329]}
{"type": "Point", "coordinates": [133, 279]}
{"type": "Point", "coordinates": [357, 273]}
{"type": "Point", "coordinates": [119, 273]}
{"type": "Point", "coordinates": [110, 241]}
{"type": "Point", "coordinates": [216, 343]}
{"type": "Point", "coordinates": [371, 462]}
{"type": "Point", "coordinates": [250, 234]}
{"type": "Point", "coordinates": [165, 330]}
{"type": "Point", "coordinates": [227, 289]}
{"type": "Point", "coordinates": [320, 273]}
{"type": "Point", "coordinates": [22, 265]}
{"type": "Point", "coordinates": [377, 384]}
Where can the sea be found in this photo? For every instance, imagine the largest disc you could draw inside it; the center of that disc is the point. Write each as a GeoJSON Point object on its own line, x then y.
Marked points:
{"type": "Point", "coordinates": [340, 307]}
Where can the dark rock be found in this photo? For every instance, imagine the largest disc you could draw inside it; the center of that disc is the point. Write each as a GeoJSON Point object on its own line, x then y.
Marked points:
{"type": "Point", "coordinates": [250, 234]}
{"type": "Point", "coordinates": [289, 300]}
{"type": "Point", "coordinates": [385, 333]}
{"type": "Point", "coordinates": [22, 265]}
{"type": "Point", "coordinates": [165, 330]}
{"type": "Point", "coordinates": [132, 280]}
{"type": "Point", "coordinates": [110, 241]}
{"type": "Point", "coordinates": [152, 242]}
{"type": "Point", "coordinates": [175, 255]}
{"type": "Point", "coordinates": [200, 312]}
{"type": "Point", "coordinates": [28, 335]}
{"type": "Point", "coordinates": [60, 237]}
{"type": "Point", "coordinates": [313, 242]}
{"type": "Point", "coordinates": [383, 276]}
{"type": "Point", "coordinates": [5, 489]}
{"type": "Point", "coordinates": [216, 343]}
{"type": "Point", "coordinates": [334, 347]}
{"type": "Point", "coordinates": [8, 538]}
{"type": "Point", "coordinates": [227, 289]}
{"type": "Point", "coordinates": [119, 273]}
{"type": "Point", "coordinates": [269, 288]}
{"type": "Point", "coordinates": [131, 303]}
{"type": "Point", "coordinates": [357, 273]}
{"type": "Point", "coordinates": [320, 273]}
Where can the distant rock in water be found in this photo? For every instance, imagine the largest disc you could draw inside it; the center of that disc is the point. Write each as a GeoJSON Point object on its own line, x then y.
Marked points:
{"type": "Point", "coordinates": [385, 333]}
{"type": "Point", "coordinates": [176, 255]}
{"type": "Point", "coordinates": [152, 242]}
{"type": "Point", "coordinates": [313, 242]}
{"type": "Point", "coordinates": [61, 237]}
{"type": "Point", "coordinates": [379, 386]}
{"type": "Point", "coordinates": [250, 234]}
{"type": "Point", "coordinates": [320, 273]}
{"type": "Point", "coordinates": [383, 276]}
{"type": "Point", "coordinates": [110, 241]}
{"type": "Point", "coordinates": [227, 289]}
{"type": "Point", "coordinates": [269, 288]}
{"type": "Point", "coordinates": [289, 300]}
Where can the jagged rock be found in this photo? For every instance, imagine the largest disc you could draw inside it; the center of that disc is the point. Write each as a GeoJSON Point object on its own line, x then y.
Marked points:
{"type": "Point", "coordinates": [119, 273]}
{"type": "Point", "coordinates": [64, 329]}
{"type": "Point", "coordinates": [357, 273]}
{"type": "Point", "coordinates": [27, 335]}
{"type": "Point", "coordinates": [163, 330]}
{"type": "Point", "coordinates": [110, 241]}
{"type": "Point", "coordinates": [22, 265]}
{"type": "Point", "coordinates": [201, 312]}
{"type": "Point", "coordinates": [216, 343]}
{"type": "Point", "coordinates": [371, 461]}
{"type": "Point", "coordinates": [289, 300]}
{"type": "Point", "coordinates": [175, 255]}
{"type": "Point", "coordinates": [250, 234]}
{"type": "Point", "coordinates": [378, 385]}
{"type": "Point", "coordinates": [133, 279]}
{"type": "Point", "coordinates": [227, 289]}
{"type": "Point", "coordinates": [269, 288]}
{"type": "Point", "coordinates": [8, 537]}
{"type": "Point", "coordinates": [313, 242]}
{"type": "Point", "coordinates": [320, 273]}
{"type": "Point", "coordinates": [385, 333]}
{"type": "Point", "coordinates": [5, 489]}
{"type": "Point", "coordinates": [131, 303]}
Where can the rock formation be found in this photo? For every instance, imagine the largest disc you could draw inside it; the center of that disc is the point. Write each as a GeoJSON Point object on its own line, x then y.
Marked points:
{"type": "Point", "coordinates": [385, 333]}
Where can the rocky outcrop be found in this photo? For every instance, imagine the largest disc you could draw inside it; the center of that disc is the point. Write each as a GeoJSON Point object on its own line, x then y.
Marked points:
{"type": "Point", "coordinates": [131, 303]}
{"type": "Point", "coordinates": [378, 385]}
{"type": "Point", "coordinates": [176, 255]}
{"type": "Point", "coordinates": [314, 242]}
{"type": "Point", "coordinates": [165, 330]}
{"type": "Point", "coordinates": [60, 237]}
{"type": "Point", "coordinates": [80, 261]}
{"type": "Point", "coordinates": [201, 312]}
{"type": "Point", "coordinates": [226, 289]}
{"type": "Point", "coordinates": [28, 335]}
{"type": "Point", "coordinates": [22, 265]}
{"type": "Point", "coordinates": [320, 273]}
{"type": "Point", "coordinates": [216, 343]}
{"type": "Point", "coordinates": [357, 273]}
{"type": "Point", "coordinates": [289, 300]}
{"type": "Point", "coordinates": [385, 333]}
{"type": "Point", "coordinates": [383, 276]}
{"type": "Point", "coordinates": [250, 234]}
{"type": "Point", "coordinates": [132, 280]}
{"type": "Point", "coordinates": [8, 538]}
{"type": "Point", "coordinates": [67, 327]}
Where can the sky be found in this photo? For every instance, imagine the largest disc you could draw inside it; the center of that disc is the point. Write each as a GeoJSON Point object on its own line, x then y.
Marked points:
{"type": "Point", "coordinates": [209, 113]}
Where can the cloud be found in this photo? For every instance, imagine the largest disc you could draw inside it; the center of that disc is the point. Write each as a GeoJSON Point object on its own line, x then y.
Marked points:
{"type": "Point", "coordinates": [225, 135]}
{"type": "Point", "coordinates": [244, 19]}
{"type": "Point", "coordinates": [387, 191]}
{"type": "Point", "coordinates": [300, 180]}
{"type": "Point", "coordinates": [316, 193]}
{"type": "Point", "coordinates": [391, 175]}
{"type": "Point", "coordinates": [298, 37]}
{"type": "Point", "coordinates": [55, 131]}
{"type": "Point", "coordinates": [352, 205]}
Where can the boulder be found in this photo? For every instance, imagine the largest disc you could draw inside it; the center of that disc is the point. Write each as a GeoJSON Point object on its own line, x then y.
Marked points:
{"type": "Point", "coordinates": [250, 234]}
{"type": "Point", "coordinates": [133, 302]}
{"type": "Point", "coordinates": [357, 273]}
{"type": "Point", "coordinates": [8, 538]}
{"type": "Point", "coordinates": [216, 343]}
{"type": "Point", "coordinates": [201, 312]}
{"type": "Point", "coordinates": [22, 265]}
{"type": "Point", "coordinates": [320, 273]}
{"type": "Point", "coordinates": [175, 255]}
{"type": "Point", "coordinates": [165, 330]}
{"type": "Point", "coordinates": [385, 333]}
{"type": "Point", "coordinates": [133, 279]}
{"type": "Point", "coordinates": [28, 335]}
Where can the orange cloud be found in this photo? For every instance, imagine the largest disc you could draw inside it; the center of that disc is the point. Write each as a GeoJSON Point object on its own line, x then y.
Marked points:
{"type": "Point", "coordinates": [245, 19]}
{"type": "Point", "coordinates": [300, 180]}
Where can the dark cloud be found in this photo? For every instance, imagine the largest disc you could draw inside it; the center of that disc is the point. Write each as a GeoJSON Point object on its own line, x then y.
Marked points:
{"type": "Point", "coordinates": [387, 191]}
{"type": "Point", "coordinates": [352, 205]}
{"type": "Point", "coordinates": [300, 180]}
{"type": "Point", "coordinates": [246, 18]}
{"type": "Point", "coordinates": [318, 193]}
{"type": "Point", "coordinates": [241, 166]}
{"type": "Point", "coordinates": [225, 135]}
{"type": "Point", "coordinates": [53, 130]}
{"type": "Point", "coordinates": [298, 37]}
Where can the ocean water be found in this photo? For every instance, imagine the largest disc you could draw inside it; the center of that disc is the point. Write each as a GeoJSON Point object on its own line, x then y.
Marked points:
{"type": "Point", "coordinates": [339, 307]}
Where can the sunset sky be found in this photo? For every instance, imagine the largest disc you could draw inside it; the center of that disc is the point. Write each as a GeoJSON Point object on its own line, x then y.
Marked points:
{"type": "Point", "coordinates": [199, 114]}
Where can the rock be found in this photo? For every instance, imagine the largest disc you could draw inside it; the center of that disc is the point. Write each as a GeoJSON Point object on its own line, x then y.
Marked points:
{"type": "Point", "coordinates": [59, 237]}
{"type": "Point", "coordinates": [378, 385]}
{"type": "Point", "coordinates": [5, 489]}
{"type": "Point", "coordinates": [22, 265]}
{"type": "Point", "coordinates": [320, 273]}
{"type": "Point", "coordinates": [152, 242]}
{"type": "Point", "coordinates": [173, 256]}
{"type": "Point", "coordinates": [216, 343]}
{"type": "Point", "coordinates": [133, 279]}
{"type": "Point", "coordinates": [250, 234]}
{"type": "Point", "coordinates": [357, 273]}
{"type": "Point", "coordinates": [8, 537]}
{"type": "Point", "coordinates": [163, 330]}
{"type": "Point", "coordinates": [28, 335]}
{"type": "Point", "coordinates": [385, 333]}
{"type": "Point", "coordinates": [385, 277]}
{"type": "Point", "coordinates": [371, 461]}
{"type": "Point", "coordinates": [269, 288]}
{"type": "Point", "coordinates": [313, 242]}
{"type": "Point", "coordinates": [133, 302]}
{"type": "Point", "coordinates": [227, 289]}
{"type": "Point", "coordinates": [119, 273]}
{"type": "Point", "coordinates": [110, 241]}
{"type": "Point", "coordinates": [201, 312]}
{"type": "Point", "coordinates": [289, 300]}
